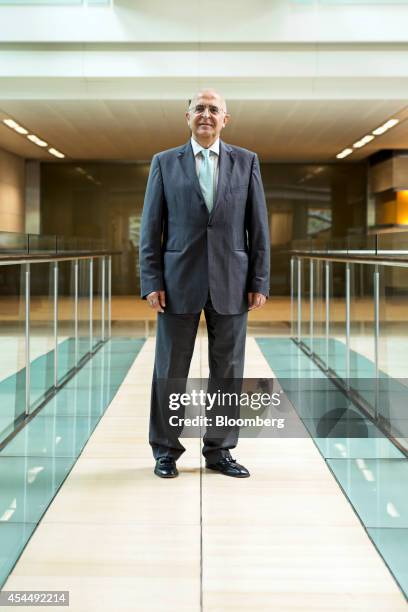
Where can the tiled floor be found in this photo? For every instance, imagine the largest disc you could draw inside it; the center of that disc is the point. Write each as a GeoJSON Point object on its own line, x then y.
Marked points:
{"type": "Point", "coordinates": [118, 538]}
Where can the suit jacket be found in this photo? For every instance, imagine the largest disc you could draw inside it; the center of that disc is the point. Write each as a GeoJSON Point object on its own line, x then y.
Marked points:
{"type": "Point", "coordinates": [188, 252]}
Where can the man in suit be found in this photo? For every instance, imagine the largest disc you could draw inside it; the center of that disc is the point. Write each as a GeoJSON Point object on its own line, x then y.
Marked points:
{"type": "Point", "coordinates": [204, 245]}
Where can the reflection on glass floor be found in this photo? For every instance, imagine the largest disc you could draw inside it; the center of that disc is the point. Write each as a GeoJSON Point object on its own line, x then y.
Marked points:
{"type": "Point", "coordinates": [38, 459]}
{"type": "Point", "coordinates": [371, 470]}
{"type": "Point", "coordinates": [13, 381]}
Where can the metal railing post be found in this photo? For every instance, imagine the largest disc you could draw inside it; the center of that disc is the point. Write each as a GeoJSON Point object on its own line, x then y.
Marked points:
{"type": "Point", "coordinates": [292, 314]}
{"type": "Point", "coordinates": [376, 335]}
{"type": "Point", "coordinates": [109, 296]}
{"type": "Point", "coordinates": [103, 299]}
{"type": "Point", "coordinates": [55, 323]}
{"type": "Point", "coordinates": [76, 266]}
{"type": "Point", "coordinates": [299, 304]}
{"type": "Point", "coordinates": [90, 305]}
{"type": "Point", "coordinates": [327, 311]}
{"type": "Point", "coordinates": [348, 271]}
{"type": "Point", "coordinates": [27, 273]}
{"type": "Point", "coordinates": [311, 304]}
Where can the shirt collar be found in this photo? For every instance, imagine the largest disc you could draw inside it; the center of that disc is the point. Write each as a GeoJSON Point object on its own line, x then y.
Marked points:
{"type": "Point", "coordinates": [197, 148]}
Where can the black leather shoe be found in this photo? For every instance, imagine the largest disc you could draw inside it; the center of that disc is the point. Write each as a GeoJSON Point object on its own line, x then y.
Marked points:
{"type": "Point", "coordinates": [229, 467]}
{"type": "Point", "coordinates": [166, 467]}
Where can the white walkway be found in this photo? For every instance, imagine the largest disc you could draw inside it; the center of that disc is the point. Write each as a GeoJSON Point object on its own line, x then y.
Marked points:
{"type": "Point", "coordinates": [121, 539]}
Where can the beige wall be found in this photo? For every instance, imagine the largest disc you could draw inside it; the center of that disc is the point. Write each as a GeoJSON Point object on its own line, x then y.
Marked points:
{"type": "Point", "coordinates": [12, 186]}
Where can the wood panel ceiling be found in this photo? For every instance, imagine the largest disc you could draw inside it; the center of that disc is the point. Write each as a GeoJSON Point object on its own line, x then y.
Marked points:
{"type": "Point", "coordinates": [279, 130]}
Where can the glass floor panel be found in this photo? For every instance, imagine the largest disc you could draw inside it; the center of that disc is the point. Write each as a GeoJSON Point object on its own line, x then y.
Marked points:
{"type": "Point", "coordinates": [371, 470]}
{"type": "Point", "coordinates": [393, 546]}
{"type": "Point", "coordinates": [13, 538]}
{"type": "Point", "coordinates": [35, 463]}
{"type": "Point", "coordinates": [28, 484]}
{"type": "Point", "coordinates": [375, 487]}
{"type": "Point", "coordinates": [57, 436]}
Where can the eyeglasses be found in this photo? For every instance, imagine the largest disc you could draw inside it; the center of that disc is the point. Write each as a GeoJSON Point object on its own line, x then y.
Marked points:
{"type": "Point", "coordinates": [200, 109]}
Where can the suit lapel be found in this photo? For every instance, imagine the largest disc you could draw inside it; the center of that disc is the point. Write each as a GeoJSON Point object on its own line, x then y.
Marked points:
{"type": "Point", "coordinates": [187, 162]}
{"type": "Point", "coordinates": [225, 167]}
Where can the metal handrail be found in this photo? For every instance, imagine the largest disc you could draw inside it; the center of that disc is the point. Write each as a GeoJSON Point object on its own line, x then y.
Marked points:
{"type": "Point", "coordinates": [349, 258]}
{"type": "Point", "coordinates": [44, 256]}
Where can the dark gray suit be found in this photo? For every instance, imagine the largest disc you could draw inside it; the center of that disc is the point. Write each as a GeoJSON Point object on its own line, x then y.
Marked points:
{"type": "Point", "coordinates": [201, 260]}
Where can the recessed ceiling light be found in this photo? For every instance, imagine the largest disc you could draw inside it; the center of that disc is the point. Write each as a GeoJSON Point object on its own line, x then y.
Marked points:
{"type": "Point", "coordinates": [386, 126]}
{"type": "Point", "coordinates": [368, 137]}
{"type": "Point", "coordinates": [37, 141]}
{"type": "Point", "coordinates": [56, 153]}
{"type": "Point", "coordinates": [344, 153]}
{"type": "Point", "coordinates": [15, 126]}
{"type": "Point", "coordinates": [363, 141]}
{"type": "Point", "coordinates": [32, 137]}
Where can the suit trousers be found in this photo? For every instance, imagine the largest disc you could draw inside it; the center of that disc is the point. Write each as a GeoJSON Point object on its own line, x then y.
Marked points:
{"type": "Point", "coordinates": [175, 339]}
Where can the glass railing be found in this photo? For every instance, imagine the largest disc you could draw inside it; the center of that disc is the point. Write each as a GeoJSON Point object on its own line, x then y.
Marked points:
{"type": "Point", "coordinates": [55, 296]}
{"type": "Point", "coordinates": [392, 244]}
{"type": "Point", "coordinates": [349, 304]}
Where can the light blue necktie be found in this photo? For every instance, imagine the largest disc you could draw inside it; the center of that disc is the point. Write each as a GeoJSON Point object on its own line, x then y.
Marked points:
{"type": "Point", "coordinates": [206, 179]}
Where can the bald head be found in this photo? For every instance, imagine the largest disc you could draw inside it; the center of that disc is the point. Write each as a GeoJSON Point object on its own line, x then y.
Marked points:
{"type": "Point", "coordinates": [208, 93]}
{"type": "Point", "coordinates": [207, 116]}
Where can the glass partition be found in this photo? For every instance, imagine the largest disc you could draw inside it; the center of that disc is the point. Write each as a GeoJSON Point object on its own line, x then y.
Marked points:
{"type": "Point", "coordinates": [319, 312]}
{"type": "Point", "coordinates": [13, 343]}
{"type": "Point", "coordinates": [50, 317]}
{"type": "Point", "coordinates": [66, 319]}
{"type": "Point", "coordinates": [337, 246]}
{"type": "Point", "coordinates": [294, 263]}
{"type": "Point", "coordinates": [13, 243]}
{"type": "Point", "coordinates": [362, 325]}
{"type": "Point", "coordinates": [41, 244]}
{"type": "Point", "coordinates": [356, 327]}
{"type": "Point", "coordinates": [106, 298]}
{"type": "Point", "coordinates": [393, 244]}
{"type": "Point", "coordinates": [41, 330]}
{"type": "Point", "coordinates": [337, 331]}
{"type": "Point", "coordinates": [97, 294]}
{"type": "Point", "coordinates": [362, 245]}
{"type": "Point", "coordinates": [47, 320]}
{"type": "Point", "coordinates": [393, 323]}
{"type": "Point", "coordinates": [67, 244]}
{"type": "Point", "coordinates": [305, 300]}
{"type": "Point", "coordinates": [392, 329]}
{"type": "Point", "coordinates": [84, 305]}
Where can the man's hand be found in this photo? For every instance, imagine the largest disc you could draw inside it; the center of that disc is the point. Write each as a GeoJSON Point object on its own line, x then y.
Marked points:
{"type": "Point", "coordinates": [256, 300]}
{"type": "Point", "coordinates": [157, 300]}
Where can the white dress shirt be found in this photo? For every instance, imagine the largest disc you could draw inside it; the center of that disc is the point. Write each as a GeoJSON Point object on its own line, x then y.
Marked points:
{"type": "Point", "coordinates": [214, 157]}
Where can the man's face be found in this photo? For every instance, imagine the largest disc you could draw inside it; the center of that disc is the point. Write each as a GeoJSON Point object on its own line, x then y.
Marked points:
{"type": "Point", "coordinates": [203, 119]}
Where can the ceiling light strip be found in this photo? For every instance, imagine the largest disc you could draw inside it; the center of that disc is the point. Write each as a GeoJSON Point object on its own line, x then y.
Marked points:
{"type": "Point", "coordinates": [32, 137]}
{"type": "Point", "coordinates": [56, 153]}
{"type": "Point", "coordinates": [363, 141]}
{"type": "Point", "coordinates": [344, 153]}
{"type": "Point", "coordinates": [36, 140]}
{"type": "Point", "coordinates": [386, 126]}
{"type": "Point", "coordinates": [15, 126]}
{"type": "Point", "coordinates": [368, 138]}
